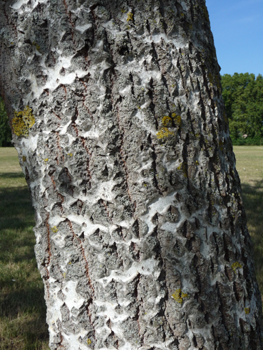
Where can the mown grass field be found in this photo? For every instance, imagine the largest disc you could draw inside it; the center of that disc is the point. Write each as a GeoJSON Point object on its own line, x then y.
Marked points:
{"type": "Point", "coordinates": [22, 307]}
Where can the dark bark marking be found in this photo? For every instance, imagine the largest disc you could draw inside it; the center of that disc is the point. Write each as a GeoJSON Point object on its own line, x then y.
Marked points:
{"type": "Point", "coordinates": [122, 154]}
{"type": "Point", "coordinates": [70, 21]}
{"type": "Point", "coordinates": [87, 273]}
{"type": "Point", "coordinates": [83, 141]}
{"type": "Point", "coordinates": [154, 166]}
{"type": "Point", "coordinates": [152, 104]}
{"type": "Point", "coordinates": [60, 151]}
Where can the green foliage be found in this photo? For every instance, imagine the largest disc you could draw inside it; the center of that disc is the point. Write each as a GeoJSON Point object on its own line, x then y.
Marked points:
{"type": "Point", "coordinates": [243, 97]}
{"type": "Point", "coordinates": [5, 131]}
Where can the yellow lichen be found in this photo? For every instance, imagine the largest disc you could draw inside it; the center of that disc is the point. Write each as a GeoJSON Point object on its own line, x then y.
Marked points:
{"type": "Point", "coordinates": [70, 154]}
{"type": "Point", "coordinates": [129, 16]}
{"type": "Point", "coordinates": [236, 265]}
{"type": "Point", "coordinates": [164, 132]}
{"type": "Point", "coordinates": [54, 229]}
{"type": "Point", "coordinates": [247, 310]}
{"type": "Point", "coordinates": [89, 341]}
{"type": "Point", "coordinates": [166, 120]}
{"type": "Point", "coordinates": [24, 158]}
{"type": "Point", "coordinates": [123, 11]}
{"type": "Point", "coordinates": [177, 119]}
{"type": "Point", "coordinates": [179, 296]}
{"type": "Point", "coordinates": [64, 274]}
{"type": "Point", "coordinates": [23, 121]}
{"type": "Point", "coordinates": [46, 160]}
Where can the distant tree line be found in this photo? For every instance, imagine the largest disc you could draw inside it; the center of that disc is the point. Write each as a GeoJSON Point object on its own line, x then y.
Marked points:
{"type": "Point", "coordinates": [5, 131]}
{"type": "Point", "coordinates": [243, 96]}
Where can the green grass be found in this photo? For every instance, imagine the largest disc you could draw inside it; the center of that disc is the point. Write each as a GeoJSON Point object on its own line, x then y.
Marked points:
{"type": "Point", "coordinates": [250, 168]}
{"type": "Point", "coordinates": [22, 307]}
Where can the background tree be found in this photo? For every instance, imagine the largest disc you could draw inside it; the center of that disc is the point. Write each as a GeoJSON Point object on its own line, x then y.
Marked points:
{"type": "Point", "coordinates": [5, 131]}
{"type": "Point", "coordinates": [243, 97]}
{"type": "Point", "coordinates": [118, 120]}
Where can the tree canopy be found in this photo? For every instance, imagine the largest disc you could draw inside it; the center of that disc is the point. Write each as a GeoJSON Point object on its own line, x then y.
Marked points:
{"type": "Point", "coordinates": [243, 97]}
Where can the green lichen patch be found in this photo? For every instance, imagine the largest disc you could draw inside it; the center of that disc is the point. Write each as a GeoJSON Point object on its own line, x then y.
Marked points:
{"type": "Point", "coordinates": [54, 229]}
{"type": "Point", "coordinates": [179, 296]}
{"type": "Point", "coordinates": [23, 121]}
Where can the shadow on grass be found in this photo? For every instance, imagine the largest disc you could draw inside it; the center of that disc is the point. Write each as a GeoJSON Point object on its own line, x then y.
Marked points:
{"type": "Point", "coordinates": [12, 175]}
{"type": "Point", "coordinates": [22, 306]}
{"type": "Point", "coordinates": [253, 202]}
{"type": "Point", "coordinates": [16, 208]}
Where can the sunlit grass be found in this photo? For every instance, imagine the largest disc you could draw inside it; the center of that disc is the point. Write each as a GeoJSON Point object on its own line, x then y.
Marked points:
{"type": "Point", "coordinates": [250, 168]}
{"type": "Point", "coordinates": [22, 307]}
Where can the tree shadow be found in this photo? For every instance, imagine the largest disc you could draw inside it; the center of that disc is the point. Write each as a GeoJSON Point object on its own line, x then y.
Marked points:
{"type": "Point", "coordinates": [22, 305]}
{"type": "Point", "coordinates": [13, 175]}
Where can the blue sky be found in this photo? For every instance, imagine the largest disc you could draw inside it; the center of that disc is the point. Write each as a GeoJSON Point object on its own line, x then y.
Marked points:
{"type": "Point", "coordinates": [237, 26]}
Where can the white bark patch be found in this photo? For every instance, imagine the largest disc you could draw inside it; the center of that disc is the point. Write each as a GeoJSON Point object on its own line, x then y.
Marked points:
{"type": "Point", "coordinates": [30, 144]}
{"type": "Point", "coordinates": [159, 206]}
{"type": "Point", "coordinates": [83, 27]}
{"type": "Point", "coordinates": [145, 267]}
{"type": "Point", "coordinates": [73, 299]}
{"type": "Point", "coordinates": [18, 4]}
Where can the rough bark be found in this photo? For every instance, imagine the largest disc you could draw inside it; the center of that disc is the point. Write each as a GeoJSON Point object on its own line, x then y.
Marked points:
{"type": "Point", "coordinates": [118, 120]}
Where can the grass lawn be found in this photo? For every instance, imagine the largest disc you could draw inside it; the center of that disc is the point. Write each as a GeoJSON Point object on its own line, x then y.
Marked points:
{"type": "Point", "coordinates": [250, 168]}
{"type": "Point", "coordinates": [22, 307]}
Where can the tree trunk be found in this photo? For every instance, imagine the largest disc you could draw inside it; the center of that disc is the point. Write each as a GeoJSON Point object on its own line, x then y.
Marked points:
{"type": "Point", "coordinates": [118, 120]}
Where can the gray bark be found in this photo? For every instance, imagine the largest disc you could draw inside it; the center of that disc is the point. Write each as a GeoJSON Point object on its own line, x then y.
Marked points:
{"type": "Point", "coordinates": [118, 120]}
